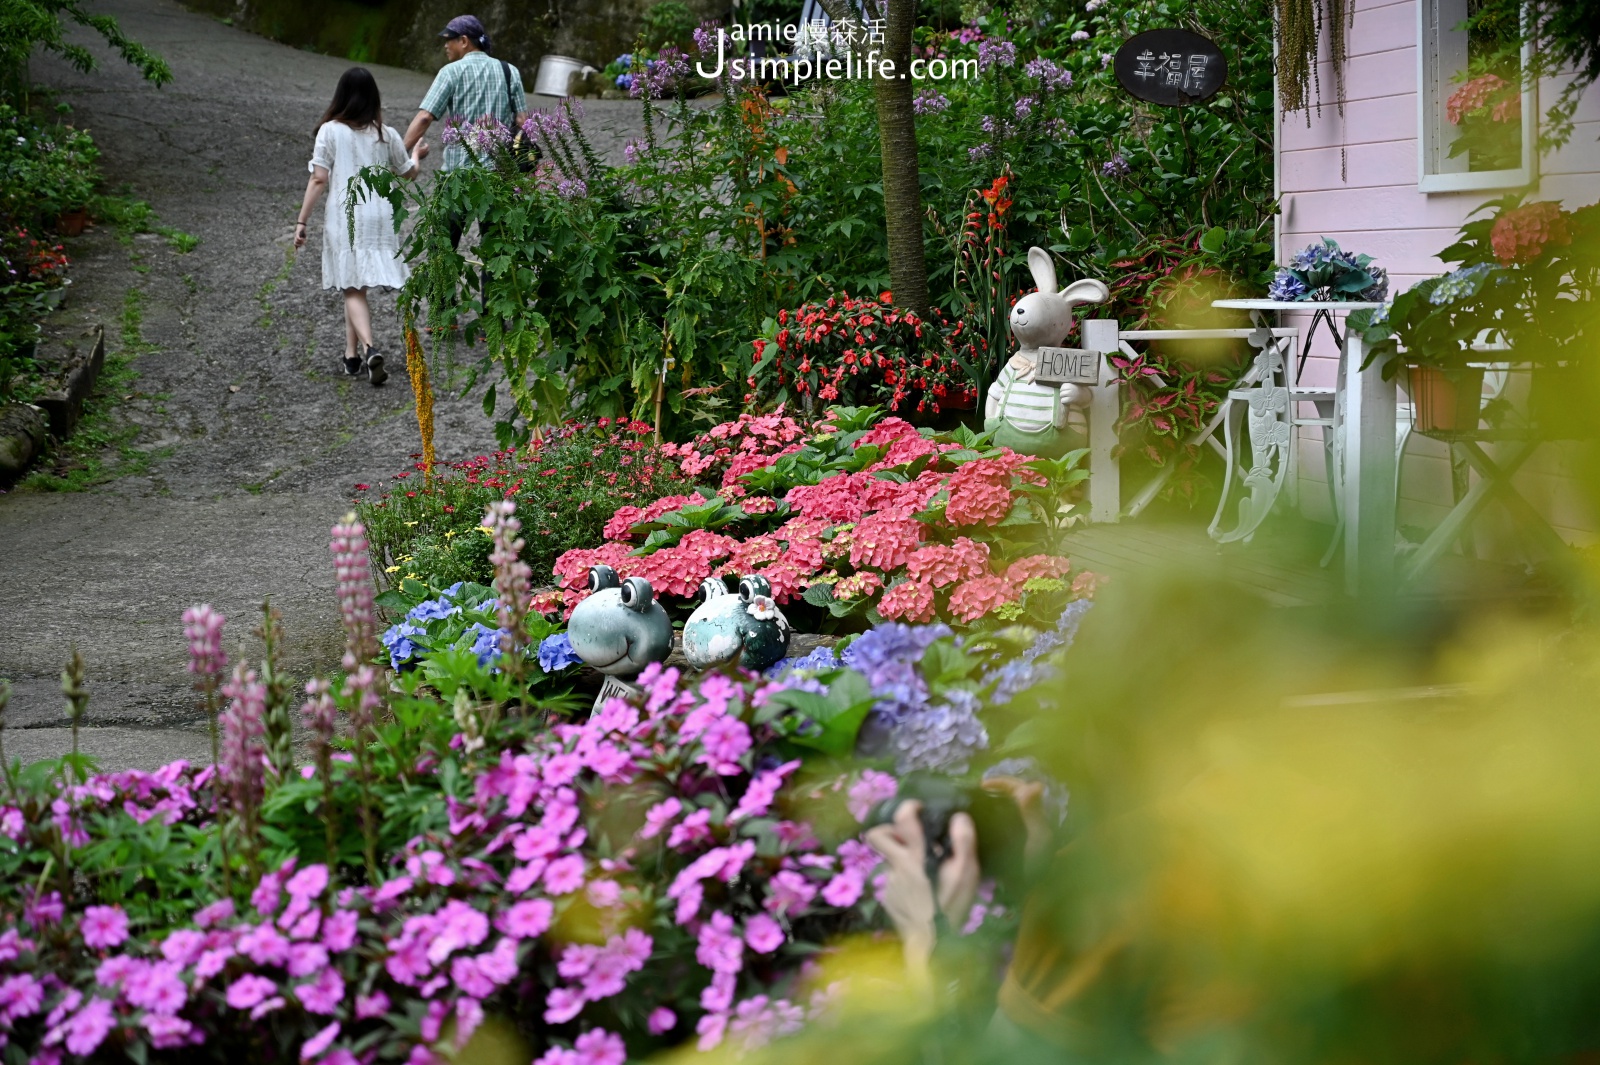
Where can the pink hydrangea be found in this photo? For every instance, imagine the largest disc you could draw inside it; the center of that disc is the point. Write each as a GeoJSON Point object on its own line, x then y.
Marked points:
{"type": "Point", "coordinates": [885, 540]}
{"type": "Point", "coordinates": [908, 601]}
{"type": "Point", "coordinates": [975, 598]}
{"type": "Point", "coordinates": [978, 503]}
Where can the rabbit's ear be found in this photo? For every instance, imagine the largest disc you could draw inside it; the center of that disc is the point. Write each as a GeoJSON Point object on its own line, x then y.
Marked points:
{"type": "Point", "coordinates": [1044, 269]}
{"type": "Point", "coordinates": [1086, 291]}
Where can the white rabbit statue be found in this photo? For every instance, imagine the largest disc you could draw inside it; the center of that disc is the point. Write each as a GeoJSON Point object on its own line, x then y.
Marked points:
{"type": "Point", "coordinates": [1027, 417]}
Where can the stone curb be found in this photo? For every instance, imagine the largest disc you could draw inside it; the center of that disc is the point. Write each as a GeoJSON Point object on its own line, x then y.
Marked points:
{"type": "Point", "coordinates": [25, 426]}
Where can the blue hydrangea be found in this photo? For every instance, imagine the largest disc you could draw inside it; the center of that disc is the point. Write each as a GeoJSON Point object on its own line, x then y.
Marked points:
{"type": "Point", "coordinates": [1286, 287]}
{"type": "Point", "coordinates": [556, 653]}
{"type": "Point", "coordinates": [818, 659]}
{"type": "Point", "coordinates": [396, 639]}
{"type": "Point", "coordinates": [625, 81]}
{"type": "Point", "coordinates": [1025, 671]}
{"type": "Point", "coordinates": [432, 610]}
{"type": "Point", "coordinates": [485, 643]}
{"type": "Point", "coordinates": [1460, 284]}
{"type": "Point", "coordinates": [452, 591]}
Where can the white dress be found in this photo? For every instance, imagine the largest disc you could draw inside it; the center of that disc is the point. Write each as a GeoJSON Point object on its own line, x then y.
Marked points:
{"type": "Point", "coordinates": [375, 258]}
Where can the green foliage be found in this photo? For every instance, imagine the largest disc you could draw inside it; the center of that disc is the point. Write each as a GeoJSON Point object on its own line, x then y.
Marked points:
{"type": "Point", "coordinates": [567, 484]}
{"type": "Point", "coordinates": [1527, 276]}
{"type": "Point", "coordinates": [45, 24]}
{"type": "Point", "coordinates": [1566, 39]}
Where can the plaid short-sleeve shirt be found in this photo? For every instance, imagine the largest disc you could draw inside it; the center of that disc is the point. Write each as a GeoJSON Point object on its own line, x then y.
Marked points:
{"type": "Point", "coordinates": [470, 88]}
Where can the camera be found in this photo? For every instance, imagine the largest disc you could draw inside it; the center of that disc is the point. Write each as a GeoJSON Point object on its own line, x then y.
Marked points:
{"type": "Point", "coordinates": [1002, 836]}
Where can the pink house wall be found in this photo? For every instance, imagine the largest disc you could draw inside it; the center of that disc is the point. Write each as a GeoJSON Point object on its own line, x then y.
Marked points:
{"type": "Point", "coordinates": [1377, 209]}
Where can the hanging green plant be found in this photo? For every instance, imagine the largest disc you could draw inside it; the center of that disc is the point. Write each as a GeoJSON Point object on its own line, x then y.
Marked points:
{"type": "Point", "coordinates": [1302, 25]}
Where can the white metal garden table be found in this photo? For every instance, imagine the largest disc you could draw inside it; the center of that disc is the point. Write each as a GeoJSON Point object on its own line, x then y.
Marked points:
{"type": "Point", "coordinates": [1358, 417]}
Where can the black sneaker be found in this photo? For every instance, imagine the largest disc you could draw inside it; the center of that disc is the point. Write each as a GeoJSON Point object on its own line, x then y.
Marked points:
{"type": "Point", "coordinates": [375, 370]}
{"type": "Point", "coordinates": [352, 366]}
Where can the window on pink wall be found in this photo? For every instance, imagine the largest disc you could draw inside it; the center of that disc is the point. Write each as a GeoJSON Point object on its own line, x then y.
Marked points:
{"type": "Point", "coordinates": [1476, 129]}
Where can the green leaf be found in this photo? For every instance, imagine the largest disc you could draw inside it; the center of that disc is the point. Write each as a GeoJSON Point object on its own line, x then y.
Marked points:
{"type": "Point", "coordinates": [819, 595]}
{"type": "Point", "coordinates": [1213, 239]}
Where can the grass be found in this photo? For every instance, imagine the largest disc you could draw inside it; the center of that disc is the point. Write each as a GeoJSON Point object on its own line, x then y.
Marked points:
{"type": "Point", "coordinates": [100, 449]}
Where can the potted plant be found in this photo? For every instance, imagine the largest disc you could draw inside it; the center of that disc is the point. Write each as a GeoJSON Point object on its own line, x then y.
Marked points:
{"type": "Point", "coordinates": [1526, 278]}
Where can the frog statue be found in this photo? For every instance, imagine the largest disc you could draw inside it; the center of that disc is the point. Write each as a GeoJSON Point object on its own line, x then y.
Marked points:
{"type": "Point", "coordinates": [620, 628]}
{"type": "Point", "coordinates": [747, 627]}
{"type": "Point", "coordinates": [1032, 418]}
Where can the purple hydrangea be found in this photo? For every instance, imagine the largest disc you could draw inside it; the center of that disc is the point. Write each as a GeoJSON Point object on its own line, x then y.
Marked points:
{"type": "Point", "coordinates": [1286, 286]}
{"type": "Point", "coordinates": [1115, 167]}
{"type": "Point", "coordinates": [941, 737]}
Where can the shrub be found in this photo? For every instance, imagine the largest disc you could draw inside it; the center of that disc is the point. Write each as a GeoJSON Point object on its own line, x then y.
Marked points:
{"type": "Point", "coordinates": [569, 483]}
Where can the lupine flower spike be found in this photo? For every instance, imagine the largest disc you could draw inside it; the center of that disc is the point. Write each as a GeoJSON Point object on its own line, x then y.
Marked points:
{"type": "Point", "coordinates": [319, 712]}
{"type": "Point", "coordinates": [513, 581]}
{"type": "Point", "coordinates": [244, 750]}
{"type": "Point", "coordinates": [353, 573]}
{"type": "Point", "coordinates": [278, 730]}
{"type": "Point", "coordinates": [202, 627]}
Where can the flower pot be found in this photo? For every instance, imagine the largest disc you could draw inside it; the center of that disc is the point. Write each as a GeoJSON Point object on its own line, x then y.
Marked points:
{"type": "Point", "coordinates": [71, 223]}
{"type": "Point", "coordinates": [1446, 401]}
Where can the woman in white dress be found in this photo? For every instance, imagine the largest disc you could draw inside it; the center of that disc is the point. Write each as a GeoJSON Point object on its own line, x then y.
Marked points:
{"type": "Point", "coordinates": [350, 137]}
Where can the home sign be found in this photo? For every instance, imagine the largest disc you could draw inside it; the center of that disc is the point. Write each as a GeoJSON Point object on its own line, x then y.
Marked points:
{"type": "Point", "coordinates": [1171, 67]}
{"type": "Point", "coordinates": [1067, 366]}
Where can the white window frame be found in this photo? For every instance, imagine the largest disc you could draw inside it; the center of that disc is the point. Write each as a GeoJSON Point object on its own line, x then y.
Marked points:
{"type": "Point", "coordinates": [1441, 52]}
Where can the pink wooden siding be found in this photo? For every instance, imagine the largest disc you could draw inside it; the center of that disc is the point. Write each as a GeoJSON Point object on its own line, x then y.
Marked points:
{"type": "Point", "coordinates": [1376, 208]}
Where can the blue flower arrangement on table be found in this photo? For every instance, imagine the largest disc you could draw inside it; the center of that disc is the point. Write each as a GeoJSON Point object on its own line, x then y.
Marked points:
{"type": "Point", "coordinates": [1325, 272]}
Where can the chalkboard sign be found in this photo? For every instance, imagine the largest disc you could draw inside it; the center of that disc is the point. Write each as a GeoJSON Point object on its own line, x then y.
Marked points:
{"type": "Point", "coordinates": [1171, 67]}
{"type": "Point", "coordinates": [1067, 366]}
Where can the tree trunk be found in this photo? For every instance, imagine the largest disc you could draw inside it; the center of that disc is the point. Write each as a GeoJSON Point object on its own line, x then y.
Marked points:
{"type": "Point", "coordinates": [902, 192]}
{"type": "Point", "coordinates": [897, 136]}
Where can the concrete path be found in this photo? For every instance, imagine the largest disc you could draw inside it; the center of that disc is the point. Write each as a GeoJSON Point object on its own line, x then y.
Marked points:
{"type": "Point", "coordinates": [255, 442]}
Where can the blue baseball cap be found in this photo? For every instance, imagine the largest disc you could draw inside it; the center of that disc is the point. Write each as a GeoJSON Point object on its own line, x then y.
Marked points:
{"type": "Point", "coordinates": [469, 27]}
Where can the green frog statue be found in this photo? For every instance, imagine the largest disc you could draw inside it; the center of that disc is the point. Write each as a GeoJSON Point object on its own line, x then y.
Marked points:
{"type": "Point", "coordinates": [1028, 417]}
{"type": "Point", "coordinates": [747, 626]}
{"type": "Point", "coordinates": [620, 628]}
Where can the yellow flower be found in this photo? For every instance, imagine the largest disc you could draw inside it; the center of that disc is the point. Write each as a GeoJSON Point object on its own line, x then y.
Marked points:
{"type": "Point", "coordinates": [486, 530]}
{"type": "Point", "coordinates": [449, 533]}
{"type": "Point", "coordinates": [411, 576]}
{"type": "Point", "coordinates": [411, 524]}
{"type": "Point", "coordinates": [392, 569]}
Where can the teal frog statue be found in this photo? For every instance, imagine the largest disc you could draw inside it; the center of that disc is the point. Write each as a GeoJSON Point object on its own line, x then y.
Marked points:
{"type": "Point", "coordinates": [620, 628]}
{"type": "Point", "coordinates": [747, 626]}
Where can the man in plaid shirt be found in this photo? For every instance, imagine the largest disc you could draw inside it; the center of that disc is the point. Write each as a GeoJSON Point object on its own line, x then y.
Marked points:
{"type": "Point", "coordinates": [470, 86]}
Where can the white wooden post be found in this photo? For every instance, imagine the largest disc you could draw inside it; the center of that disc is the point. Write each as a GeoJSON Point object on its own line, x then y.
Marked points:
{"type": "Point", "coordinates": [1105, 473]}
{"type": "Point", "coordinates": [1369, 475]}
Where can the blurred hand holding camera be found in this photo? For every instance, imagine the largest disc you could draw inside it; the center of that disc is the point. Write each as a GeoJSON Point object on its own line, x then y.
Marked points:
{"type": "Point", "coordinates": [910, 899]}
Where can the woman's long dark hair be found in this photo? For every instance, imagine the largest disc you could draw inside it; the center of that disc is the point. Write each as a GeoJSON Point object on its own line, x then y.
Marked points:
{"type": "Point", "coordinates": [355, 101]}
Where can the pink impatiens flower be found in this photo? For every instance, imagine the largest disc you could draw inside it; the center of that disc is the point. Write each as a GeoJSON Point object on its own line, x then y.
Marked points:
{"type": "Point", "coordinates": [725, 741]}
{"type": "Point", "coordinates": [249, 990]}
{"type": "Point", "coordinates": [564, 875]}
{"type": "Point", "coordinates": [659, 816]}
{"type": "Point", "coordinates": [88, 1028]}
{"type": "Point", "coordinates": [870, 790]}
{"type": "Point", "coordinates": [662, 1020]}
{"type": "Point", "coordinates": [599, 1047]}
{"type": "Point", "coordinates": [720, 949]}
{"type": "Point", "coordinates": [324, 994]}
{"type": "Point", "coordinates": [763, 934]}
{"type": "Point", "coordinates": [104, 927]}
{"type": "Point", "coordinates": [319, 1042]}
{"type": "Point", "coordinates": [527, 919]}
